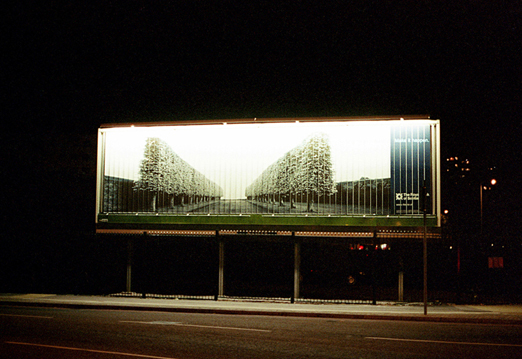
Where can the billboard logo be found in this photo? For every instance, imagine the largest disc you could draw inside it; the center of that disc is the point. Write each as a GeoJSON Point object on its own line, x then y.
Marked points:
{"type": "Point", "coordinates": [406, 196]}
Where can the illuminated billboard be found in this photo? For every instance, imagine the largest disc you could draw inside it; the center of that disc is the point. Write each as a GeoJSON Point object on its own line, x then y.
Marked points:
{"type": "Point", "coordinates": [306, 173]}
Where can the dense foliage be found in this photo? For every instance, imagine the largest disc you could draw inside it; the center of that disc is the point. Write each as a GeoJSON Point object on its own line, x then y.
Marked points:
{"type": "Point", "coordinates": [162, 171]}
{"type": "Point", "coordinates": [304, 173]}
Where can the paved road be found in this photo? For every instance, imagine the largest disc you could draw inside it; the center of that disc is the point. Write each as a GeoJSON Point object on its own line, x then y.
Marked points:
{"type": "Point", "coordinates": [35, 332]}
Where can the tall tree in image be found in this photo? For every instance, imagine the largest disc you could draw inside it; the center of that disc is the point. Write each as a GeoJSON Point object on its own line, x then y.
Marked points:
{"type": "Point", "coordinates": [313, 178]}
{"type": "Point", "coordinates": [305, 170]}
{"type": "Point", "coordinates": [162, 171]}
{"type": "Point", "coordinates": [153, 169]}
{"type": "Point", "coordinates": [292, 169]}
{"type": "Point", "coordinates": [281, 179]}
{"type": "Point", "coordinates": [318, 169]}
{"type": "Point", "coordinates": [175, 178]}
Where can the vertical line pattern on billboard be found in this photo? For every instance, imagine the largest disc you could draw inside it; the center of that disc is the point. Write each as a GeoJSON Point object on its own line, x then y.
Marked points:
{"type": "Point", "coordinates": [410, 156]}
{"type": "Point", "coordinates": [316, 169]}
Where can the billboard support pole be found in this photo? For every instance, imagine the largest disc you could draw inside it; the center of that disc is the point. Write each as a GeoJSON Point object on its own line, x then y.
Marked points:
{"type": "Point", "coordinates": [129, 265]}
{"type": "Point", "coordinates": [147, 271]}
{"type": "Point", "coordinates": [221, 269]}
{"type": "Point", "coordinates": [297, 268]}
{"type": "Point", "coordinates": [401, 286]}
{"type": "Point", "coordinates": [425, 250]}
{"type": "Point", "coordinates": [374, 276]}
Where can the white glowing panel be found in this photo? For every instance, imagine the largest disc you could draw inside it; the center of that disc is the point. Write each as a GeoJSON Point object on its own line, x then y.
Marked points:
{"type": "Point", "coordinates": [234, 155]}
{"type": "Point", "coordinates": [338, 167]}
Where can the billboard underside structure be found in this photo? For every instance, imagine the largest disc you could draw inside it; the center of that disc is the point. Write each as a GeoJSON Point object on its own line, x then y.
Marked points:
{"type": "Point", "coordinates": [306, 174]}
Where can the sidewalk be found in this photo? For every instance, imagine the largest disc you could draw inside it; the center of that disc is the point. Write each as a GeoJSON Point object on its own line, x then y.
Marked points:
{"type": "Point", "coordinates": [487, 314]}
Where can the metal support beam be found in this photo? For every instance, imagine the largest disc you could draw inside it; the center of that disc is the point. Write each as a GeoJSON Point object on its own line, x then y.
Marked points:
{"type": "Point", "coordinates": [372, 271]}
{"type": "Point", "coordinates": [425, 250]}
{"type": "Point", "coordinates": [401, 286]}
{"type": "Point", "coordinates": [129, 265]}
{"type": "Point", "coordinates": [221, 270]}
{"type": "Point", "coordinates": [297, 269]}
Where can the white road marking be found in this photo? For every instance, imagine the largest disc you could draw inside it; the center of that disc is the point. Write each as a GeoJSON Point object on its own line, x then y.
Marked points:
{"type": "Point", "coordinates": [26, 316]}
{"type": "Point", "coordinates": [196, 325]}
{"type": "Point", "coordinates": [91, 350]}
{"type": "Point", "coordinates": [444, 342]}
{"type": "Point", "coordinates": [30, 296]}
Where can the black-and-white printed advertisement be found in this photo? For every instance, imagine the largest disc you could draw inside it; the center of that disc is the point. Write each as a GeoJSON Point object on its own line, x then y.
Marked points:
{"type": "Point", "coordinates": [326, 168]}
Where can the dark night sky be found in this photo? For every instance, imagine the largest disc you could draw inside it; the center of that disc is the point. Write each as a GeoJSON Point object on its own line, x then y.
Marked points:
{"type": "Point", "coordinates": [72, 66]}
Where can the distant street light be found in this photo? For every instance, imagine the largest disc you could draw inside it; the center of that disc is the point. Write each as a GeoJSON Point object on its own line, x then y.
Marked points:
{"type": "Point", "coordinates": [483, 187]}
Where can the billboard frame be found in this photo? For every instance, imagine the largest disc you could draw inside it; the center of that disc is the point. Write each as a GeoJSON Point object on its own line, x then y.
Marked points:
{"type": "Point", "coordinates": [146, 222]}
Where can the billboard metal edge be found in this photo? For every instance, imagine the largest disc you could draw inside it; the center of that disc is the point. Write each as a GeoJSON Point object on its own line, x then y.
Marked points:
{"type": "Point", "coordinates": [148, 221]}
{"type": "Point", "coordinates": [256, 120]}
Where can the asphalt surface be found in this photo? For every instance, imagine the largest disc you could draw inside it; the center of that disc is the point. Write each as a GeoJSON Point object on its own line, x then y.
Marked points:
{"type": "Point", "coordinates": [491, 314]}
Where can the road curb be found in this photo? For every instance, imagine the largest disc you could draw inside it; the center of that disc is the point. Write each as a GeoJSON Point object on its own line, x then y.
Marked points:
{"type": "Point", "coordinates": [461, 318]}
